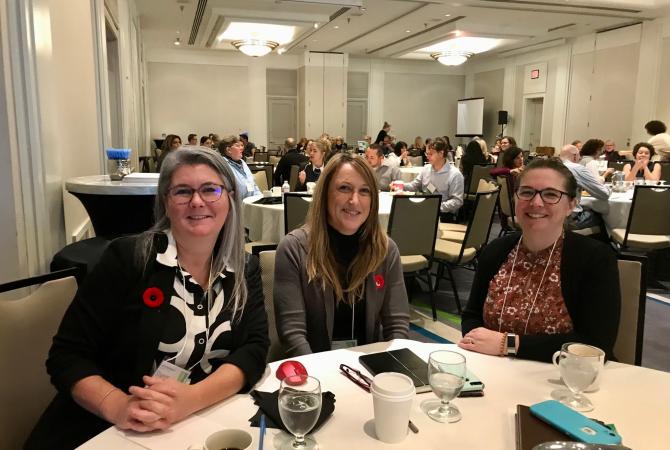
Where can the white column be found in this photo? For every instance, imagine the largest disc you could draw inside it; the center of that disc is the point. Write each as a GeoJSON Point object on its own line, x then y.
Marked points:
{"type": "Point", "coordinates": [257, 99]}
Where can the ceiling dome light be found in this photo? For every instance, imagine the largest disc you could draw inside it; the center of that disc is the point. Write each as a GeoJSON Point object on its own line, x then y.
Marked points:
{"type": "Point", "coordinates": [255, 47]}
{"type": "Point", "coordinates": [451, 58]}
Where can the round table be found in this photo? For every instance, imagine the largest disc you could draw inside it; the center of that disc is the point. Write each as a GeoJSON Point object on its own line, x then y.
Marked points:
{"type": "Point", "coordinates": [619, 204]}
{"type": "Point", "coordinates": [266, 222]}
{"type": "Point", "coordinates": [408, 174]}
{"type": "Point", "coordinates": [116, 208]}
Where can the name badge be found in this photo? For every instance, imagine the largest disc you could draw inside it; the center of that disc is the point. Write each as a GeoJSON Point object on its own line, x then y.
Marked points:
{"type": "Point", "coordinates": [431, 188]}
{"type": "Point", "coordinates": [250, 187]}
{"type": "Point", "coordinates": [169, 370]}
{"type": "Point", "coordinates": [347, 343]}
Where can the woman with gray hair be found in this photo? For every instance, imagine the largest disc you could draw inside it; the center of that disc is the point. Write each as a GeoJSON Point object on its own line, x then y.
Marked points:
{"type": "Point", "coordinates": [169, 322]}
{"type": "Point", "coordinates": [232, 148]}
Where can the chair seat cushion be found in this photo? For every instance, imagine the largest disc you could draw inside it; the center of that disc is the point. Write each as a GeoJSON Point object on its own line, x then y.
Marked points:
{"type": "Point", "coordinates": [448, 251]}
{"type": "Point", "coordinates": [453, 236]}
{"type": "Point", "coordinates": [452, 227]}
{"type": "Point", "coordinates": [649, 241]}
{"type": "Point", "coordinates": [590, 231]}
{"type": "Point", "coordinates": [413, 263]}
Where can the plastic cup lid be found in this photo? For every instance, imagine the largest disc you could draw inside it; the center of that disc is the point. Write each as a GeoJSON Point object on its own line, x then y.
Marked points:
{"type": "Point", "coordinates": [392, 384]}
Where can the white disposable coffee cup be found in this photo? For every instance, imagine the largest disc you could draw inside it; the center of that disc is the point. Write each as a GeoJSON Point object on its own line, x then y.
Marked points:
{"type": "Point", "coordinates": [392, 397]}
{"type": "Point", "coordinates": [267, 193]}
{"type": "Point", "coordinates": [230, 438]}
{"type": "Point", "coordinates": [276, 191]}
{"type": "Point", "coordinates": [588, 351]}
{"type": "Point", "coordinates": [310, 187]}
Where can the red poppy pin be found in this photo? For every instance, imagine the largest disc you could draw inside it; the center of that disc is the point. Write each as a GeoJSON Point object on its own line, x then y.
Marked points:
{"type": "Point", "coordinates": [153, 297]}
{"type": "Point", "coordinates": [379, 281]}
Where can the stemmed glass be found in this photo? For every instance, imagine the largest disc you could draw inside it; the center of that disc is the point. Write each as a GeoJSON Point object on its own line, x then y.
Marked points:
{"type": "Point", "coordinates": [299, 408]}
{"type": "Point", "coordinates": [446, 374]}
{"type": "Point", "coordinates": [578, 371]}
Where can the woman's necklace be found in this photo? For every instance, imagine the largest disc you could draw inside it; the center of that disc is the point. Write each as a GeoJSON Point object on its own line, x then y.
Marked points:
{"type": "Point", "coordinates": [509, 281]}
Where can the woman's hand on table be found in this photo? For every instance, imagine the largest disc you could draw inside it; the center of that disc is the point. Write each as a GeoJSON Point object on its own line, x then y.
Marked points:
{"type": "Point", "coordinates": [482, 340]}
{"type": "Point", "coordinates": [164, 401]}
{"type": "Point", "coordinates": [125, 412]}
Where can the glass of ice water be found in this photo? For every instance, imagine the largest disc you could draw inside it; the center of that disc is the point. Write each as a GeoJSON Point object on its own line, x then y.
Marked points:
{"type": "Point", "coordinates": [446, 374]}
{"type": "Point", "coordinates": [299, 408]}
{"type": "Point", "coordinates": [579, 369]}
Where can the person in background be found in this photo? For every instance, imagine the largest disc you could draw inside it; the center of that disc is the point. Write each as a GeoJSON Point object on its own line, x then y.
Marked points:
{"type": "Point", "coordinates": [440, 177]}
{"type": "Point", "coordinates": [577, 143]}
{"type": "Point", "coordinates": [231, 148]}
{"type": "Point", "coordinates": [249, 147]}
{"type": "Point", "coordinates": [643, 169]}
{"type": "Point", "coordinates": [206, 141]}
{"type": "Point", "coordinates": [302, 145]}
{"type": "Point", "coordinates": [383, 133]}
{"type": "Point", "coordinates": [192, 139]}
{"type": "Point", "coordinates": [610, 153]}
{"type": "Point", "coordinates": [495, 151]}
{"type": "Point", "coordinates": [472, 156]}
{"type": "Point", "coordinates": [659, 138]}
{"type": "Point", "coordinates": [418, 145]}
{"type": "Point", "coordinates": [338, 280]}
{"type": "Point", "coordinates": [583, 216]}
{"type": "Point", "coordinates": [215, 140]}
{"type": "Point", "coordinates": [339, 144]}
{"type": "Point", "coordinates": [384, 174]}
{"type": "Point", "coordinates": [507, 142]}
{"type": "Point", "coordinates": [534, 291]}
{"type": "Point", "coordinates": [178, 294]}
{"type": "Point", "coordinates": [590, 152]}
{"type": "Point", "coordinates": [485, 150]}
{"type": "Point", "coordinates": [399, 156]}
{"type": "Point", "coordinates": [511, 164]}
{"type": "Point", "coordinates": [317, 157]}
{"type": "Point", "coordinates": [171, 143]}
{"type": "Point", "coordinates": [292, 157]}
{"type": "Point", "coordinates": [367, 138]}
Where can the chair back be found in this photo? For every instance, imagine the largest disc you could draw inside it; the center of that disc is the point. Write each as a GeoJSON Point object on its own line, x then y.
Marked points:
{"type": "Point", "coordinates": [275, 152]}
{"type": "Point", "coordinates": [296, 207]}
{"type": "Point", "coordinates": [274, 160]}
{"type": "Point", "coordinates": [417, 161]}
{"type": "Point", "coordinates": [261, 156]}
{"type": "Point", "coordinates": [506, 197]}
{"type": "Point", "coordinates": [261, 180]}
{"type": "Point", "coordinates": [27, 327]}
{"type": "Point", "coordinates": [479, 172]}
{"type": "Point", "coordinates": [545, 151]}
{"type": "Point", "coordinates": [665, 171]}
{"type": "Point", "coordinates": [413, 223]}
{"type": "Point", "coordinates": [293, 177]}
{"type": "Point", "coordinates": [266, 170]}
{"type": "Point", "coordinates": [632, 281]}
{"type": "Point", "coordinates": [645, 213]}
{"type": "Point", "coordinates": [267, 263]}
{"type": "Point", "coordinates": [616, 165]}
{"type": "Point", "coordinates": [477, 233]}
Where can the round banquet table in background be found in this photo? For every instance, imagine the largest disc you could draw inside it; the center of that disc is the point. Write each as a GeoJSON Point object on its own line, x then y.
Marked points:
{"type": "Point", "coordinates": [408, 174]}
{"type": "Point", "coordinates": [619, 208]}
{"type": "Point", "coordinates": [266, 222]}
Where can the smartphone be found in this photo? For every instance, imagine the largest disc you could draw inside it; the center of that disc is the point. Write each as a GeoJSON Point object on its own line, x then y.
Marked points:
{"type": "Point", "coordinates": [574, 424]}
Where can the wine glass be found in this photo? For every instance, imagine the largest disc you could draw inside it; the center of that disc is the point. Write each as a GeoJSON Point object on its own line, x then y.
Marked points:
{"type": "Point", "coordinates": [299, 408]}
{"type": "Point", "coordinates": [579, 371]}
{"type": "Point", "coordinates": [446, 374]}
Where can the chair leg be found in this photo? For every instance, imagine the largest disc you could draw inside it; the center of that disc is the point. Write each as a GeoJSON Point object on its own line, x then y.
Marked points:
{"type": "Point", "coordinates": [453, 286]}
{"type": "Point", "coordinates": [432, 295]}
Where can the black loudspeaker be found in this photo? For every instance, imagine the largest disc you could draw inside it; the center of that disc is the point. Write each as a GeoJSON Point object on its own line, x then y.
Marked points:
{"type": "Point", "coordinates": [502, 117]}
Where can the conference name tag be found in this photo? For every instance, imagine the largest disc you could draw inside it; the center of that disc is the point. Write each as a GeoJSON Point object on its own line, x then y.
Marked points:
{"type": "Point", "coordinates": [169, 370]}
{"type": "Point", "coordinates": [347, 343]}
{"type": "Point", "coordinates": [430, 187]}
{"type": "Point", "coordinates": [250, 187]}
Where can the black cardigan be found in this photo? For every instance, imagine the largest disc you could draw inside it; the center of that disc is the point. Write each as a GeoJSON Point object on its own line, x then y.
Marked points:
{"type": "Point", "coordinates": [590, 288]}
{"type": "Point", "coordinates": [109, 331]}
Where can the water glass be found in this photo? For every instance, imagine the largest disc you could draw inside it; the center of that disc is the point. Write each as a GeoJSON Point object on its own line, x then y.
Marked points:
{"type": "Point", "coordinates": [446, 374]}
{"type": "Point", "coordinates": [299, 408]}
{"type": "Point", "coordinates": [579, 369]}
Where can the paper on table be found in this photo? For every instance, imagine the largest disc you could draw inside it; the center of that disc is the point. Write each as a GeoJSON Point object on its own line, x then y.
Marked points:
{"type": "Point", "coordinates": [193, 430]}
{"type": "Point", "coordinates": [141, 177]}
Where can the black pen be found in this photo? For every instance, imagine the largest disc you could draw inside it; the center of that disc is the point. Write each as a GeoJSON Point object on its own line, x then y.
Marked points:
{"type": "Point", "coordinates": [413, 427]}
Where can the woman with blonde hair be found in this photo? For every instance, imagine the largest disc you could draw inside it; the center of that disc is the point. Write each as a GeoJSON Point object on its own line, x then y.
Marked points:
{"type": "Point", "coordinates": [338, 279]}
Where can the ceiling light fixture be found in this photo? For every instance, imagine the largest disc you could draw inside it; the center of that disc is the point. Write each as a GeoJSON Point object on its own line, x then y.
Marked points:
{"type": "Point", "coordinates": [177, 40]}
{"type": "Point", "coordinates": [255, 47]}
{"type": "Point", "coordinates": [451, 57]}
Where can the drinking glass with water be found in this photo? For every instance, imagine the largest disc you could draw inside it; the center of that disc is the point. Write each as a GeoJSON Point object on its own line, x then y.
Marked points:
{"type": "Point", "coordinates": [299, 408]}
{"type": "Point", "coordinates": [446, 374]}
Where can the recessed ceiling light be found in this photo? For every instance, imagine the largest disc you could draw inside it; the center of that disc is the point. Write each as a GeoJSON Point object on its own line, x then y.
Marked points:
{"type": "Point", "coordinates": [408, 31]}
{"type": "Point", "coordinates": [447, 15]}
{"type": "Point", "coordinates": [336, 27]}
{"type": "Point", "coordinates": [316, 25]}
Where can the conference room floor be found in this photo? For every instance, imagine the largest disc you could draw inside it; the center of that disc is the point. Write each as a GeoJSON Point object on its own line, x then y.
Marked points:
{"type": "Point", "coordinates": [656, 347]}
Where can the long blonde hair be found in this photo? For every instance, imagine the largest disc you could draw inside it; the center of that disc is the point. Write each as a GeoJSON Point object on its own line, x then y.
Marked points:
{"type": "Point", "coordinates": [372, 242]}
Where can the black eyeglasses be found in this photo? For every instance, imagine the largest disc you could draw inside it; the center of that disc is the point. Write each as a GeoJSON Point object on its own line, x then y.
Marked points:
{"type": "Point", "coordinates": [208, 192]}
{"type": "Point", "coordinates": [550, 196]}
{"type": "Point", "coordinates": [356, 376]}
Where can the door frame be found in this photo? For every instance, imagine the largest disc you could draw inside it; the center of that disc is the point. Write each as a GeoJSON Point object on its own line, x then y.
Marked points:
{"type": "Point", "coordinates": [524, 105]}
{"type": "Point", "coordinates": [293, 98]}
{"type": "Point", "coordinates": [364, 128]}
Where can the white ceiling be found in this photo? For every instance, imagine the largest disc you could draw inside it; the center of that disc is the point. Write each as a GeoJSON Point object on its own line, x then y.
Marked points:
{"type": "Point", "coordinates": [391, 28]}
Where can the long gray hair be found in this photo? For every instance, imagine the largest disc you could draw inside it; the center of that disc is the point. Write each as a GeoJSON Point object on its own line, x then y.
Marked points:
{"type": "Point", "coordinates": [229, 249]}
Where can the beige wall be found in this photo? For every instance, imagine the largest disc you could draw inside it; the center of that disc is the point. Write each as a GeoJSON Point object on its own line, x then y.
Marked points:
{"type": "Point", "coordinates": [490, 86]}
{"type": "Point", "coordinates": [663, 106]}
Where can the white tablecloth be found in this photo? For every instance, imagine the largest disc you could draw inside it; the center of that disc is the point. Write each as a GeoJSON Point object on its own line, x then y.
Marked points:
{"type": "Point", "coordinates": [619, 205]}
{"type": "Point", "coordinates": [408, 174]}
{"type": "Point", "coordinates": [635, 399]}
{"type": "Point", "coordinates": [266, 222]}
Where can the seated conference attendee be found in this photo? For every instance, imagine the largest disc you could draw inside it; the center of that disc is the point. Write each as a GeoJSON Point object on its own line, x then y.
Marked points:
{"type": "Point", "coordinates": [231, 148]}
{"type": "Point", "coordinates": [317, 156]}
{"type": "Point", "coordinates": [171, 143]}
{"type": "Point", "coordinates": [292, 157]}
{"type": "Point", "coordinates": [192, 139]}
{"type": "Point", "coordinates": [582, 216]}
{"type": "Point", "coordinates": [537, 290]}
{"type": "Point", "coordinates": [590, 153]}
{"type": "Point", "coordinates": [610, 153]}
{"type": "Point", "coordinates": [643, 168]}
{"type": "Point", "coordinates": [440, 177]}
{"type": "Point", "coordinates": [338, 279]}
{"type": "Point", "coordinates": [206, 141]}
{"type": "Point", "coordinates": [660, 139]}
{"type": "Point", "coordinates": [385, 175]}
{"type": "Point", "coordinates": [472, 156]}
{"type": "Point", "coordinates": [249, 147]}
{"type": "Point", "coordinates": [173, 296]}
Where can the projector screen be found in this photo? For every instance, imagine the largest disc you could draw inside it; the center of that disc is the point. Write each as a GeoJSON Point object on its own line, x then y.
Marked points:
{"type": "Point", "coordinates": [470, 119]}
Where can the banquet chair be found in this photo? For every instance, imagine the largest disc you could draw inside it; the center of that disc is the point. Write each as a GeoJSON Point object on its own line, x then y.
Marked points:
{"type": "Point", "coordinates": [267, 168]}
{"type": "Point", "coordinates": [413, 227]}
{"type": "Point", "coordinates": [296, 207]}
{"type": "Point", "coordinates": [27, 326]}
{"type": "Point", "coordinates": [267, 263]}
{"type": "Point", "coordinates": [479, 172]}
{"type": "Point", "coordinates": [616, 165]}
{"type": "Point", "coordinates": [632, 281]}
{"type": "Point", "coordinates": [293, 177]}
{"type": "Point", "coordinates": [665, 171]}
{"type": "Point", "coordinates": [261, 180]}
{"type": "Point", "coordinates": [455, 232]}
{"type": "Point", "coordinates": [261, 156]}
{"type": "Point", "coordinates": [545, 151]}
{"type": "Point", "coordinates": [648, 226]}
{"type": "Point", "coordinates": [274, 160]}
{"type": "Point", "coordinates": [450, 255]}
{"type": "Point", "coordinates": [506, 207]}
{"type": "Point", "coordinates": [417, 161]}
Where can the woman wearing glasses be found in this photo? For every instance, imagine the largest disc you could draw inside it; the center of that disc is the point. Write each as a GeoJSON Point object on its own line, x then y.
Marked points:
{"type": "Point", "coordinates": [338, 280]}
{"type": "Point", "coordinates": [232, 149]}
{"type": "Point", "coordinates": [167, 323]}
{"type": "Point", "coordinates": [536, 290]}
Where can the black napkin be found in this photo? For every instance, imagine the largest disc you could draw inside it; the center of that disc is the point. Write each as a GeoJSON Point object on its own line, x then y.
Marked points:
{"type": "Point", "coordinates": [269, 201]}
{"type": "Point", "coordinates": [267, 404]}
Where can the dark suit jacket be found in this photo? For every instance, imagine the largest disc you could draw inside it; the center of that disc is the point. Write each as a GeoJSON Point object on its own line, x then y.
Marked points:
{"type": "Point", "coordinates": [590, 288]}
{"type": "Point", "coordinates": [283, 170]}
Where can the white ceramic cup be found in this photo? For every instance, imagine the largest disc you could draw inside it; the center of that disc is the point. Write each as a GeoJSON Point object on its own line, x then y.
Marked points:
{"type": "Point", "coordinates": [392, 398]}
{"type": "Point", "coordinates": [310, 187]}
{"type": "Point", "coordinates": [276, 191]}
{"type": "Point", "coordinates": [585, 350]}
{"type": "Point", "coordinates": [267, 193]}
{"type": "Point", "coordinates": [225, 439]}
